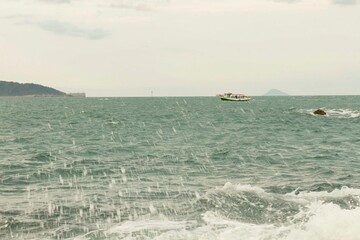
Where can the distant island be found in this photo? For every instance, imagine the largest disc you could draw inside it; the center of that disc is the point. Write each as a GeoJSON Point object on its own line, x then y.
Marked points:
{"type": "Point", "coordinates": [275, 92]}
{"type": "Point", "coordinates": [31, 89]}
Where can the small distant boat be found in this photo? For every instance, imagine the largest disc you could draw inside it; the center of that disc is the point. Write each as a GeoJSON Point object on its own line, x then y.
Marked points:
{"type": "Point", "coordinates": [233, 97]}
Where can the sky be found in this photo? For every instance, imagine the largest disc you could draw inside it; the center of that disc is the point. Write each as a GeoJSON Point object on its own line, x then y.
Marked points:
{"type": "Point", "coordinates": [113, 48]}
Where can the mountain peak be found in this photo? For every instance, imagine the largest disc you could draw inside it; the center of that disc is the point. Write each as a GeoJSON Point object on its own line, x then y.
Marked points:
{"type": "Point", "coordinates": [275, 92]}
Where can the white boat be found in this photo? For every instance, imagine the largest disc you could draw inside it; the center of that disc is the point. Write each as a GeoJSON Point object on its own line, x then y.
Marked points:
{"type": "Point", "coordinates": [233, 97]}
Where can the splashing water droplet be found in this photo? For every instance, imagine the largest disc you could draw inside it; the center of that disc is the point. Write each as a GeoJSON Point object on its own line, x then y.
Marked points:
{"type": "Point", "coordinates": [61, 180]}
{"type": "Point", "coordinates": [152, 209]}
{"type": "Point", "coordinates": [124, 179]}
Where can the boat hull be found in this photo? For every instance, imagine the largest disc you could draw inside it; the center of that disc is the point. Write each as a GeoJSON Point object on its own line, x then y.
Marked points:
{"type": "Point", "coordinates": [235, 99]}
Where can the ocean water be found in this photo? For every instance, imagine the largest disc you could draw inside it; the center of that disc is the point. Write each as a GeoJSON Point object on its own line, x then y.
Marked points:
{"type": "Point", "coordinates": [180, 168]}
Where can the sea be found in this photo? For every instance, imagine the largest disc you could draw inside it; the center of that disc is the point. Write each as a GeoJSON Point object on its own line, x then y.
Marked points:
{"type": "Point", "coordinates": [180, 168]}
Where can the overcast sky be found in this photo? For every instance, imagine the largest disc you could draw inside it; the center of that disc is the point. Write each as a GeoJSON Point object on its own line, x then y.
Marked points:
{"type": "Point", "coordinates": [182, 47]}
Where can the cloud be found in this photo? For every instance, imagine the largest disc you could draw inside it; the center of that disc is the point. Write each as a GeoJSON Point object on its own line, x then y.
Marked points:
{"type": "Point", "coordinates": [138, 7]}
{"type": "Point", "coordinates": [14, 16]}
{"type": "Point", "coordinates": [72, 30]}
{"type": "Point", "coordinates": [67, 29]}
{"type": "Point", "coordinates": [344, 2]}
{"type": "Point", "coordinates": [236, 6]}
{"type": "Point", "coordinates": [56, 1]}
{"type": "Point", "coordinates": [337, 2]}
{"type": "Point", "coordinates": [287, 1]}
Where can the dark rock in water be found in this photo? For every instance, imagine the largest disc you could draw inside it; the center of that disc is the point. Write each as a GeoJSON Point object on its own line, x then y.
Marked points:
{"type": "Point", "coordinates": [320, 112]}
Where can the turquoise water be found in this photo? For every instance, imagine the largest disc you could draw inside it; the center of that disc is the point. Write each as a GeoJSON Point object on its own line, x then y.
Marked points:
{"type": "Point", "coordinates": [180, 168]}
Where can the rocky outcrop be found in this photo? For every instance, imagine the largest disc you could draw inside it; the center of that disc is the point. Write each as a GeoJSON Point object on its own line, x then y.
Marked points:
{"type": "Point", "coordinates": [319, 112]}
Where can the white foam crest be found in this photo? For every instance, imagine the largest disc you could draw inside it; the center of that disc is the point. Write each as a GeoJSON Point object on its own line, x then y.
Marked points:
{"type": "Point", "coordinates": [141, 225]}
{"type": "Point", "coordinates": [231, 229]}
{"type": "Point", "coordinates": [309, 111]}
{"type": "Point", "coordinates": [336, 193]}
{"type": "Point", "coordinates": [218, 227]}
{"type": "Point", "coordinates": [300, 197]}
{"type": "Point", "coordinates": [324, 222]}
{"type": "Point", "coordinates": [340, 113]}
{"type": "Point", "coordinates": [346, 113]}
{"type": "Point", "coordinates": [327, 221]}
{"type": "Point", "coordinates": [229, 187]}
{"type": "Point", "coordinates": [318, 221]}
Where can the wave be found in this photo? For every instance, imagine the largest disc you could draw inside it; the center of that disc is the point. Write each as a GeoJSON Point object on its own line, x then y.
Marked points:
{"type": "Point", "coordinates": [325, 221]}
{"type": "Point", "coordinates": [311, 216]}
{"type": "Point", "coordinates": [337, 113]}
{"type": "Point", "coordinates": [232, 211]}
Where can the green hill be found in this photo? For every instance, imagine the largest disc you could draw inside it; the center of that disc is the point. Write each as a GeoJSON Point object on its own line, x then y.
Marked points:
{"type": "Point", "coordinates": [27, 89]}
